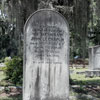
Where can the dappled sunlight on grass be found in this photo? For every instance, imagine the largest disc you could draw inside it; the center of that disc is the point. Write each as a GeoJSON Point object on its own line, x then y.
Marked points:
{"type": "Point", "coordinates": [84, 86]}
{"type": "Point", "coordinates": [19, 97]}
{"type": "Point", "coordinates": [81, 79]}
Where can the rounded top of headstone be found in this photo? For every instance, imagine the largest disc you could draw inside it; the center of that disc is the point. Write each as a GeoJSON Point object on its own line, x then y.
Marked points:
{"type": "Point", "coordinates": [44, 16]}
{"type": "Point", "coordinates": [47, 36]}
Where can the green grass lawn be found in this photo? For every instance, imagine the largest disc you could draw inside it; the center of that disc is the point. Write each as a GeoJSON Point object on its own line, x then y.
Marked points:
{"type": "Point", "coordinates": [80, 79]}
{"type": "Point", "coordinates": [11, 98]}
{"type": "Point", "coordinates": [85, 85]}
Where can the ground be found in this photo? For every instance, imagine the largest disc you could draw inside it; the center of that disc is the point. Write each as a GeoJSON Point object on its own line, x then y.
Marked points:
{"type": "Point", "coordinates": [84, 87]}
{"type": "Point", "coordinates": [7, 91]}
{"type": "Point", "coordinates": [11, 97]}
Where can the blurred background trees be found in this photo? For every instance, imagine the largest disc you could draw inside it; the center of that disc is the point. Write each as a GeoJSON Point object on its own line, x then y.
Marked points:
{"type": "Point", "coordinates": [82, 15]}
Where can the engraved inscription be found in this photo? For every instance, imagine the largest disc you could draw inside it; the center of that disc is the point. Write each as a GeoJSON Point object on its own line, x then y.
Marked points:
{"type": "Point", "coordinates": [48, 41]}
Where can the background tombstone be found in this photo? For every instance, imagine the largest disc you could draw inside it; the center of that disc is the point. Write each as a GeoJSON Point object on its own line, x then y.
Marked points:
{"type": "Point", "coordinates": [46, 57]}
{"type": "Point", "coordinates": [94, 58]}
{"type": "Point", "coordinates": [94, 62]}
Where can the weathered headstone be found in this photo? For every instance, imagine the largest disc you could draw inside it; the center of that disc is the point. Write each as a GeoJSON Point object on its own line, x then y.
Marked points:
{"type": "Point", "coordinates": [94, 58]}
{"type": "Point", "coordinates": [94, 62]}
{"type": "Point", "coordinates": [46, 57]}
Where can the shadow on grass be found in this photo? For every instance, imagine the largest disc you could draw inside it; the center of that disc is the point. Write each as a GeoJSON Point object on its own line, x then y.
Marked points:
{"type": "Point", "coordinates": [91, 87]}
{"type": "Point", "coordinates": [85, 82]}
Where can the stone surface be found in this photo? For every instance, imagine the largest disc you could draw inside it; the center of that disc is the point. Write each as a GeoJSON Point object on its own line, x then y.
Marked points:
{"type": "Point", "coordinates": [46, 57]}
{"type": "Point", "coordinates": [94, 58]}
{"type": "Point", "coordinates": [94, 62]}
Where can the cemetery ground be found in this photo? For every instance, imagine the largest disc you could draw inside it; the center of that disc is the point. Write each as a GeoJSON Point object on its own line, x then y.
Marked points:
{"type": "Point", "coordinates": [82, 88]}
{"type": "Point", "coordinates": [9, 91]}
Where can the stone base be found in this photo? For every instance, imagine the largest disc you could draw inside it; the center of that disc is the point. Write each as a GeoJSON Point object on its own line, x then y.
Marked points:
{"type": "Point", "coordinates": [92, 73]}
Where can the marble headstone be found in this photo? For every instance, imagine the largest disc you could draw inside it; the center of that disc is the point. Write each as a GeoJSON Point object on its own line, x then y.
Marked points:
{"type": "Point", "coordinates": [46, 57]}
{"type": "Point", "coordinates": [94, 58]}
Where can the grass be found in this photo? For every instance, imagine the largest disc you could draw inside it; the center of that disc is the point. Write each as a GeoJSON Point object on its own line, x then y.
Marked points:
{"type": "Point", "coordinates": [85, 85]}
{"type": "Point", "coordinates": [12, 98]}
{"type": "Point", "coordinates": [80, 79]}
{"type": "Point", "coordinates": [3, 82]}
{"type": "Point", "coordinates": [79, 69]}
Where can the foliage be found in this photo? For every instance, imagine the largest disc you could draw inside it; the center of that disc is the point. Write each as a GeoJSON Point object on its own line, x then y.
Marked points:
{"type": "Point", "coordinates": [7, 90]}
{"type": "Point", "coordinates": [2, 76]}
{"type": "Point", "coordinates": [17, 12]}
{"type": "Point", "coordinates": [14, 68]}
{"type": "Point", "coordinates": [7, 43]}
{"type": "Point", "coordinates": [2, 60]}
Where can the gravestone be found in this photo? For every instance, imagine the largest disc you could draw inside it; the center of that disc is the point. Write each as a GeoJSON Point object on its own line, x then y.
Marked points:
{"type": "Point", "coordinates": [94, 58]}
{"type": "Point", "coordinates": [46, 57]}
{"type": "Point", "coordinates": [94, 62]}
